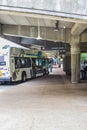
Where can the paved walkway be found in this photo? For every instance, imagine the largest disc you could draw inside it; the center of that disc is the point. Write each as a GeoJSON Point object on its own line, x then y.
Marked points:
{"type": "Point", "coordinates": [46, 103]}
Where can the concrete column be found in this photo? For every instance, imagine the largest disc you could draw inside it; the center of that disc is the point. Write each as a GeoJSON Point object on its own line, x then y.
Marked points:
{"type": "Point", "coordinates": [75, 58]}
{"type": "Point", "coordinates": [0, 29]}
{"type": "Point", "coordinates": [1, 34]}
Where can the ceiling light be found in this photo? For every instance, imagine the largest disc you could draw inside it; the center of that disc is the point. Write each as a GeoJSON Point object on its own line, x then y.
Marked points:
{"type": "Point", "coordinates": [56, 26]}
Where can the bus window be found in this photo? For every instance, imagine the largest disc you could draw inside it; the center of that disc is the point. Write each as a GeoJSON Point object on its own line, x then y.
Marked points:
{"type": "Point", "coordinates": [37, 63]}
{"type": "Point", "coordinates": [17, 63]}
{"type": "Point", "coordinates": [44, 62]}
{"type": "Point", "coordinates": [28, 62]}
{"type": "Point", "coordinates": [23, 64]}
{"type": "Point", "coordinates": [40, 62]}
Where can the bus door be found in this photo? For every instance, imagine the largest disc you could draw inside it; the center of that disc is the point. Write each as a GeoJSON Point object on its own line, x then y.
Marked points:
{"type": "Point", "coordinates": [4, 66]}
{"type": "Point", "coordinates": [33, 67]}
{"type": "Point", "coordinates": [39, 67]}
{"type": "Point", "coordinates": [45, 66]}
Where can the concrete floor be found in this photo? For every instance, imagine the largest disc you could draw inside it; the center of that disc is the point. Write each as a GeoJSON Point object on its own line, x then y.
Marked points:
{"type": "Point", "coordinates": [45, 103]}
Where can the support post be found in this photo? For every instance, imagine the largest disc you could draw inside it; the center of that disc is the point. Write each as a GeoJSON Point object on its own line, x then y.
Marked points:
{"type": "Point", "coordinates": [0, 29]}
{"type": "Point", "coordinates": [75, 58]}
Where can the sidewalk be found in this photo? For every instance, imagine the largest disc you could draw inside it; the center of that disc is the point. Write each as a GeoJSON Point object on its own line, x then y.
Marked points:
{"type": "Point", "coordinates": [45, 103]}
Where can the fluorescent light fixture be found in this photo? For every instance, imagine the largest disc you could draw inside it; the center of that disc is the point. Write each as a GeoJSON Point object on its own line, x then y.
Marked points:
{"type": "Point", "coordinates": [56, 26]}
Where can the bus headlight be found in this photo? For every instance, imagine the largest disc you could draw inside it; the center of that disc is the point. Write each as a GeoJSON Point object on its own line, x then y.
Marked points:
{"type": "Point", "coordinates": [0, 73]}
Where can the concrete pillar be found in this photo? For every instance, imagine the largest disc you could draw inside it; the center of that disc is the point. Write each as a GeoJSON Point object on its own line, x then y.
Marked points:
{"type": "Point", "coordinates": [75, 58]}
{"type": "Point", "coordinates": [67, 63]}
{"type": "Point", "coordinates": [1, 34]}
{"type": "Point", "coordinates": [0, 29]}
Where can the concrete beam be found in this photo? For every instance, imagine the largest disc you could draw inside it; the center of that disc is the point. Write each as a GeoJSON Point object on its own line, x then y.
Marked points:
{"type": "Point", "coordinates": [65, 8]}
{"type": "Point", "coordinates": [45, 33]}
{"type": "Point", "coordinates": [78, 28]}
{"type": "Point", "coordinates": [84, 36]}
{"type": "Point", "coordinates": [0, 29]}
{"type": "Point", "coordinates": [51, 16]}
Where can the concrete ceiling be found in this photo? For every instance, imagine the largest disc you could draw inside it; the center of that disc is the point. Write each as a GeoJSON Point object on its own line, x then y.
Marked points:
{"type": "Point", "coordinates": [24, 22]}
{"type": "Point", "coordinates": [27, 26]}
{"type": "Point", "coordinates": [17, 24]}
{"type": "Point", "coordinates": [30, 21]}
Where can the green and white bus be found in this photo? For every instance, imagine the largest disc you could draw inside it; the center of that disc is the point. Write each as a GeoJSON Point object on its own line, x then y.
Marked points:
{"type": "Point", "coordinates": [18, 63]}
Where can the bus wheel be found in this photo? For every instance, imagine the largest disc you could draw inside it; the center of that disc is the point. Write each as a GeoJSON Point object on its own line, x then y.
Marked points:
{"type": "Point", "coordinates": [23, 77]}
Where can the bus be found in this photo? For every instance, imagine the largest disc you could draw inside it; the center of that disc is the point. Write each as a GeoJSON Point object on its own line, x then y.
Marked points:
{"type": "Point", "coordinates": [18, 63]}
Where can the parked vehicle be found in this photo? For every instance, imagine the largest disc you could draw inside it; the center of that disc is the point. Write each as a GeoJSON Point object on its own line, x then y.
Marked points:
{"type": "Point", "coordinates": [18, 63]}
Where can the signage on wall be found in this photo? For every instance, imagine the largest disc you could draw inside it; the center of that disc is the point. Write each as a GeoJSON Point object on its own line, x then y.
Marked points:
{"type": "Point", "coordinates": [52, 48]}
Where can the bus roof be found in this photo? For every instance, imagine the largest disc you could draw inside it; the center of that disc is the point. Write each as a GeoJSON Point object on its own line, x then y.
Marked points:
{"type": "Point", "coordinates": [5, 42]}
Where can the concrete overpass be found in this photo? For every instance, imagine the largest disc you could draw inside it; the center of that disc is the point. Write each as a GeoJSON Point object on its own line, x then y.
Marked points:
{"type": "Point", "coordinates": [31, 18]}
